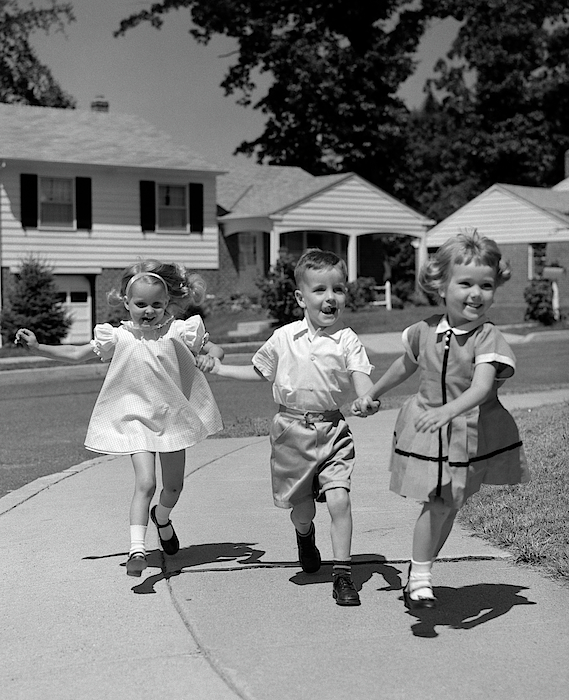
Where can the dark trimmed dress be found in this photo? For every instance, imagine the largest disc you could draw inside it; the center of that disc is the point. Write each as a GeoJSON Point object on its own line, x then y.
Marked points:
{"type": "Point", "coordinates": [481, 446]}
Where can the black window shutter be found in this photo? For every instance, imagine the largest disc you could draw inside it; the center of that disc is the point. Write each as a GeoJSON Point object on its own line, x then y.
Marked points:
{"type": "Point", "coordinates": [147, 205]}
{"type": "Point", "coordinates": [196, 207]}
{"type": "Point", "coordinates": [29, 200]}
{"type": "Point", "coordinates": [83, 203]}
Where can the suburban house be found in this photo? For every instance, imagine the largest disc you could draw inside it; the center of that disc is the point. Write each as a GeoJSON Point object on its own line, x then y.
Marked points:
{"type": "Point", "coordinates": [531, 226]}
{"type": "Point", "coordinates": [265, 209]}
{"type": "Point", "coordinates": [89, 192]}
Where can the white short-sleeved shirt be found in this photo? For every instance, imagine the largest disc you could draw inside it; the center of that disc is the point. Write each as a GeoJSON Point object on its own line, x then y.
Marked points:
{"type": "Point", "coordinates": [312, 371]}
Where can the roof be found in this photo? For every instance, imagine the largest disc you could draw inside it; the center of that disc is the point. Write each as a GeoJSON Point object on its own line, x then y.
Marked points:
{"type": "Point", "coordinates": [88, 137]}
{"type": "Point", "coordinates": [555, 202]}
{"type": "Point", "coordinates": [260, 190]}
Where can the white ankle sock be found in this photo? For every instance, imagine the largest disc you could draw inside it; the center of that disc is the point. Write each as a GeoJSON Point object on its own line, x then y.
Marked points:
{"type": "Point", "coordinates": [419, 584]}
{"type": "Point", "coordinates": [137, 539]}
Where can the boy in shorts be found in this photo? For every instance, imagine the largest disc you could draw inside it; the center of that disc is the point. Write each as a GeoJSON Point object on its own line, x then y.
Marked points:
{"type": "Point", "coordinates": [315, 365]}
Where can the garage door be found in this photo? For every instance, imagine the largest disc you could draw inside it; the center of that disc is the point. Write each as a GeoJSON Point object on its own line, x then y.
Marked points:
{"type": "Point", "coordinates": [75, 294]}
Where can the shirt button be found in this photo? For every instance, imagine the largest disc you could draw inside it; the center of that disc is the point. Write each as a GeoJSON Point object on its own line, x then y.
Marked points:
{"type": "Point", "coordinates": [312, 358]}
{"type": "Point", "coordinates": [311, 388]}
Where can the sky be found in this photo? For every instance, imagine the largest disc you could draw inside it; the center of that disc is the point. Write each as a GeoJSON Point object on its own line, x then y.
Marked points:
{"type": "Point", "coordinates": [170, 80]}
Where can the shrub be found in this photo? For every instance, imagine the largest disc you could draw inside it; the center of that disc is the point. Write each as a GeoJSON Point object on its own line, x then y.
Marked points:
{"type": "Point", "coordinates": [32, 301]}
{"type": "Point", "coordinates": [277, 291]}
{"type": "Point", "coordinates": [538, 296]}
{"type": "Point", "coordinates": [360, 293]}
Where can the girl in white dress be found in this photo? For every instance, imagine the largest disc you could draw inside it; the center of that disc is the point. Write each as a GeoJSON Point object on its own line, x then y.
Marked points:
{"type": "Point", "coordinates": [154, 398]}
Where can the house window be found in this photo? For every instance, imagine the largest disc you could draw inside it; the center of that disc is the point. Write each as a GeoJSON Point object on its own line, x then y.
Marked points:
{"type": "Point", "coordinates": [56, 202]}
{"type": "Point", "coordinates": [537, 253]}
{"type": "Point", "coordinates": [247, 250]}
{"type": "Point", "coordinates": [172, 207]}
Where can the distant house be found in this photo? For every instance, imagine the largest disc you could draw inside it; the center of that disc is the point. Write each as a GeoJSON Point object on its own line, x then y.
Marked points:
{"type": "Point", "coordinates": [90, 192]}
{"type": "Point", "coordinates": [531, 226]}
{"type": "Point", "coordinates": [266, 208]}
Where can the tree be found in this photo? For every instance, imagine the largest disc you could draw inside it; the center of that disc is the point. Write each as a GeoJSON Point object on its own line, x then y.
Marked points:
{"type": "Point", "coordinates": [23, 78]}
{"type": "Point", "coordinates": [501, 104]}
{"type": "Point", "coordinates": [32, 302]}
{"type": "Point", "coordinates": [336, 67]}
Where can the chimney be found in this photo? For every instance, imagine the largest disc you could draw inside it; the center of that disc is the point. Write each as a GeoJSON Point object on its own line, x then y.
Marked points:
{"type": "Point", "coordinates": [99, 104]}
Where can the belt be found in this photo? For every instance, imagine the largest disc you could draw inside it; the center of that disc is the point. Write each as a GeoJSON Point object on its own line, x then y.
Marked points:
{"type": "Point", "coordinates": [310, 417]}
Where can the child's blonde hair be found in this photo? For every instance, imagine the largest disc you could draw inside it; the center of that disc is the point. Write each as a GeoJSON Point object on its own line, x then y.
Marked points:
{"type": "Point", "coordinates": [462, 249]}
{"type": "Point", "coordinates": [183, 287]}
{"type": "Point", "coordinates": [316, 259]}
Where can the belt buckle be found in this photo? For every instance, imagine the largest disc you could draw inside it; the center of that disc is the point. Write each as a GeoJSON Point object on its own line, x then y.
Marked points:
{"type": "Point", "coordinates": [310, 418]}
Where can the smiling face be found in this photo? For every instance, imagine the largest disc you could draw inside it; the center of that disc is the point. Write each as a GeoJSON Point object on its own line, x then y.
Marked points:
{"type": "Point", "coordinates": [322, 295]}
{"type": "Point", "coordinates": [147, 303]}
{"type": "Point", "coordinates": [469, 292]}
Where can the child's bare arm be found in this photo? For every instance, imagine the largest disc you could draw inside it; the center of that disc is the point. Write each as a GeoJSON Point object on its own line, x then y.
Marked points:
{"type": "Point", "coordinates": [482, 383]}
{"type": "Point", "coordinates": [363, 385]}
{"type": "Point", "coordinates": [65, 353]}
{"type": "Point", "coordinates": [208, 354]}
{"type": "Point", "coordinates": [400, 370]}
{"type": "Point", "coordinates": [245, 372]}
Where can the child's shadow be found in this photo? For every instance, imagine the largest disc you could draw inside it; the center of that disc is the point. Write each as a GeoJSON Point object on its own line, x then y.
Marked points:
{"type": "Point", "coordinates": [467, 607]}
{"type": "Point", "coordinates": [364, 566]}
{"type": "Point", "coordinates": [242, 553]}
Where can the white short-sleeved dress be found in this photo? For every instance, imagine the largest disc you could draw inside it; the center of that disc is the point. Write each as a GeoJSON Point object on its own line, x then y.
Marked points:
{"type": "Point", "coordinates": [154, 398]}
{"type": "Point", "coordinates": [480, 446]}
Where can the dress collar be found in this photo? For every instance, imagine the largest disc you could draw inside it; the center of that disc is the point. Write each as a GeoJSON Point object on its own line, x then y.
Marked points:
{"type": "Point", "coordinates": [444, 326]}
{"type": "Point", "coordinates": [133, 326]}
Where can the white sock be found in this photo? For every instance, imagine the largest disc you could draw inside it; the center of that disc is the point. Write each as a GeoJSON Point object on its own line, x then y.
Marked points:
{"type": "Point", "coordinates": [137, 539]}
{"type": "Point", "coordinates": [419, 585]}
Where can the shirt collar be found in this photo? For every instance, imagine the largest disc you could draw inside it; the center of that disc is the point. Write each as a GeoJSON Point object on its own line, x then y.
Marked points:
{"type": "Point", "coordinates": [445, 326]}
{"type": "Point", "coordinates": [303, 329]}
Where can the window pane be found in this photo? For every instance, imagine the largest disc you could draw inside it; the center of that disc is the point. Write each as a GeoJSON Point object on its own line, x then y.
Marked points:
{"type": "Point", "coordinates": [56, 201]}
{"type": "Point", "coordinates": [172, 207]}
{"type": "Point", "coordinates": [172, 218]}
{"type": "Point", "coordinates": [76, 297]}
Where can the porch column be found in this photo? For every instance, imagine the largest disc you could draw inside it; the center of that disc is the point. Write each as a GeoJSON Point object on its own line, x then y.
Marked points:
{"type": "Point", "coordinates": [421, 255]}
{"type": "Point", "coordinates": [352, 258]}
{"type": "Point", "coordinates": [274, 246]}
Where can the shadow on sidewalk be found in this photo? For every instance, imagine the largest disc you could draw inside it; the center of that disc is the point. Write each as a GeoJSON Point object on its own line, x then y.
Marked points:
{"type": "Point", "coordinates": [467, 607]}
{"type": "Point", "coordinates": [364, 566]}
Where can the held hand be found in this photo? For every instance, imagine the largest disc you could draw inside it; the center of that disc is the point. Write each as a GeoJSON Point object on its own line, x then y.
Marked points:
{"type": "Point", "coordinates": [26, 338]}
{"type": "Point", "coordinates": [365, 406]}
{"type": "Point", "coordinates": [206, 362]}
{"type": "Point", "coordinates": [433, 419]}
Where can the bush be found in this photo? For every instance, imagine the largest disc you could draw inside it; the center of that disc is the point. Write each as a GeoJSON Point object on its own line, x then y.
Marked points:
{"type": "Point", "coordinates": [32, 301]}
{"type": "Point", "coordinates": [360, 293]}
{"type": "Point", "coordinates": [538, 296]}
{"type": "Point", "coordinates": [277, 291]}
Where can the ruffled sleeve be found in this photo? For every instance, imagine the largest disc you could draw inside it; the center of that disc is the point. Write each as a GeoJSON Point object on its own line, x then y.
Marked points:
{"type": "Point", "coordinates": [104, 341]}
{"type": "Point", "coordinates": [491, 346]}
{"type": "Point", "coordinates": [194, 334]}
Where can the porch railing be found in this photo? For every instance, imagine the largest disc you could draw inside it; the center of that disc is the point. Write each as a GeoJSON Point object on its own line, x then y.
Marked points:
{"type": "Point", "coordinates": [385, 290]}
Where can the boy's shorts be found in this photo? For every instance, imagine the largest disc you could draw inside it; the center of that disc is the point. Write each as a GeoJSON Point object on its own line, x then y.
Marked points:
{"type": "Point", "coordinates": [309, 457]}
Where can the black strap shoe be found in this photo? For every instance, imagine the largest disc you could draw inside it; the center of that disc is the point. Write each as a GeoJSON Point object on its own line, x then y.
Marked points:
{"type": "Point", "coordinates": [308, 553]}
{"type": "Point", "coordinates": [170, 546]}
{"type": "Point", "coordinates": [344, 591]}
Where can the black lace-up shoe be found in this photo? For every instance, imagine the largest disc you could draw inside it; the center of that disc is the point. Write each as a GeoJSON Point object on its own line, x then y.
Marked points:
{"type": "Point", "coordinates": [344, 591]}
{"type": "Point", "coordinates": [308, 553]}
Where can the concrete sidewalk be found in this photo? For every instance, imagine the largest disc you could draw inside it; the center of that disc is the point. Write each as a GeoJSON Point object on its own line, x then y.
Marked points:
{"type": "Point", "coordinates": [233, 616]}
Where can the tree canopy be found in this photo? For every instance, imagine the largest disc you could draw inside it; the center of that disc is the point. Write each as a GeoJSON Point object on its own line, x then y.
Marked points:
{"type": "Point", "coordinates": [24, 78]}
{"type": "Point", "coordinates": [496, 110]}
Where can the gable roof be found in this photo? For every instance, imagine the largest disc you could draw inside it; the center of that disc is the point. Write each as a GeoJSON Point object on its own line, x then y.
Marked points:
{"type": "Point", "coordinates": [554, 202]}
{"type": "Point", "coordinates": [87, 137]}
{"type": "Point", "coordinates": [260, 190]}
{"type": "Point", "coordinates": [509, 214]}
